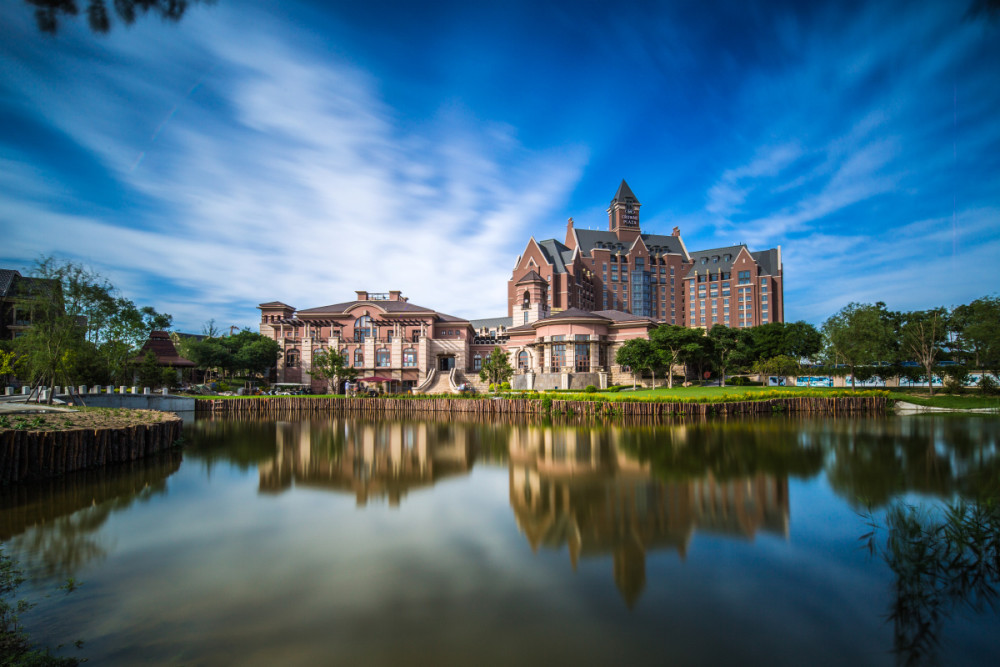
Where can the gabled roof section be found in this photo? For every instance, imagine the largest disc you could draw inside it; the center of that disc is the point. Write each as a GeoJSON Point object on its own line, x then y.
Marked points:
{"type": "Point", "coordinates": [639, 241]}
{"type": "Point", "coordinates": [716, 259]}
{"type": "Point", "coordinates": [530, 277]}
{"type": "Point", "coordinates": [275, 304]}
{"type": "Point", "coordinates": [7, 278]}
{"type": "Point", "coordinates": [624, 193]}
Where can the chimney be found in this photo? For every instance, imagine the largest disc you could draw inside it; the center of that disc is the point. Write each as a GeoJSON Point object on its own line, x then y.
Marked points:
{"type": "Point", "coordinates": [394, 295]}
{"type": "Point", "coordinates": [677, 231]}
{"type": "Point", "coordinates": [362, 295]}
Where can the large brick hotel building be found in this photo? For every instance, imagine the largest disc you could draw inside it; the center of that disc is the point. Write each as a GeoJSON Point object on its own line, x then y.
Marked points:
{"type": "Point", "coordinates": [650, 275]}
{"type": "Point", "coordinates": [570, 306]}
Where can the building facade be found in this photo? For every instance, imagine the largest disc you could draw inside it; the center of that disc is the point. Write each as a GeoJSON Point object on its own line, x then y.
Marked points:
{"type": "Point", "coordinates": [407, 346]}
{"type": "Point", "coordinates": [649, 275]}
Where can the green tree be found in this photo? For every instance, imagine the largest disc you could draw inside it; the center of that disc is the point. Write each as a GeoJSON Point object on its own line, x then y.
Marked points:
{"type": "Point", "coordinates": [922, 335]}
{"type": "Point", "coordinates": [802, 340]}
{"type": "Point", "coordinates": [639, 355]}
{"type": "Point", "coordinates": [859, 336]}
{"type": "Point", "coordinates": [333, 368]}
{"type": "Point", "coordinates": [678, 345]}
{"type": "Point", "coordinates": [496, 368]}
{"type": "Point", "coordinates": [976, 330]}
{"type": "Point", "coordinates": [726, 344]}
{"type": "Point", "coordinates": [48, 350]}
{"type": "Point", "coordinates": [114, 325]}
{"type": "Point", "coordinates": [149, 371]}
{"type": "Point", "coordinates": [781, 364]}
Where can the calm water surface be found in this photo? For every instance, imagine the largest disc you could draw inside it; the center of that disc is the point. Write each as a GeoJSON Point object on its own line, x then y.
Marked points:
{"type": "Point", "coordinates": [327, 540]}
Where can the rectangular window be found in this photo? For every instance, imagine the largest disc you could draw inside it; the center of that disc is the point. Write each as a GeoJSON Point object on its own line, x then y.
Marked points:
{"type": "Point", "coordinates": [744, 278]}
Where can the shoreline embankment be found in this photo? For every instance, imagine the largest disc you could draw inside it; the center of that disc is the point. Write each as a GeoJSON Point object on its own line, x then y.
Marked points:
{"type": "Point", "coordinates": [32, 455]}
{"type": "Point", "coordinates": [266, 405]}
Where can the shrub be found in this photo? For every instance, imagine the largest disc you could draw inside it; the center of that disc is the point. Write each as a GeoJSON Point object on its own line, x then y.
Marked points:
{"type": "Point", "coordinates": [547, 404]}
{"type": "Point", "coordinates": [505, 386]}
{"type": "Point", "coordinates": [988, 385]}
{"type": "Point", "coordinates": [590, 389]}
{"type": "Point", "coordinates": [953, 386]}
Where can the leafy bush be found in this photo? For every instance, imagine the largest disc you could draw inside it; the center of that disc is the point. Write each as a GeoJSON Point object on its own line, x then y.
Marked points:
{"type": "Point", "coordinates": [590, 389]}
{"type": "Point", "coordinates": [953, 386]}
{"type": "Point", "coordinates": [988, 385]}
{"type": "Point", "coordinates": [741, 381]}
{"type": "Point", "coordinates": [505, 386]}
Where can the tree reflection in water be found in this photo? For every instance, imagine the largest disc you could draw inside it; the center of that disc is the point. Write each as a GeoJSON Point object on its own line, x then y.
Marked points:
{"type": "Point", "coordinates": [942, 559]}
{"type": "Point", "coordinates": [56, 521]}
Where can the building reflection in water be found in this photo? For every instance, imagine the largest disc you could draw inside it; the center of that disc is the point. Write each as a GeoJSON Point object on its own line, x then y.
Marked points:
{"type": "Point", "coordinates": [577, 487]}
{"type": "Point", "coordinates": [371, 459]}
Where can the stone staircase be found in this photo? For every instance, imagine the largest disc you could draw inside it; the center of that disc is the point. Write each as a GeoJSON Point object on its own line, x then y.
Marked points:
{"type": "Point", "coordinates": [440, 385]}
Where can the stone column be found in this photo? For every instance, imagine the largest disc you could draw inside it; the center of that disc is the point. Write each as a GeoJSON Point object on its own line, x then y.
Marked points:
{"type": "Point", "coordinates": [134, 390]}
{"type": "Point", "coordinates": [25, 390]}
{"type": "Point", "coordinates": [9, 391]}
{"type": "Point", "coordinates": [122, 390]}
{"type": "Point", "coordinates": [593, 356]}
{"type": "Point", "coordinates": [82, 389]}
{"type": "Point", "coordinates": [146, 391]}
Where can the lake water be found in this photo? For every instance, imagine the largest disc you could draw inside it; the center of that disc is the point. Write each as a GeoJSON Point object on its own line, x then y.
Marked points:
{"type": "Point", "coordinates": [328, 540]}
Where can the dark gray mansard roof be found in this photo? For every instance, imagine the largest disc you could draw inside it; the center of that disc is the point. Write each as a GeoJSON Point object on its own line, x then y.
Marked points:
{"type": "Point", "coordinates": [768, 261]}
{"type": "Point", "coordinates": [492, 322]}
{"type": "Point", "coordinates": [554, 252]}
{"type": "Point", "coordinates": [589, 238]}
{"type": "Point", "coordinates": [721, 265]}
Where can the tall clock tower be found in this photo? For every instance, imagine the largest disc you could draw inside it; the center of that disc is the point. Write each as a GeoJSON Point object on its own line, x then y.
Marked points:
{"type": "Point", "coordinates": [623, 214]}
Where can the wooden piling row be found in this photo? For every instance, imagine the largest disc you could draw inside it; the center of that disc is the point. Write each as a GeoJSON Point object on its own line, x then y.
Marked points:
{"type": "Point", "coordinates": [31, 455]}
{"type": "Point", "coordinates": [267, 406]}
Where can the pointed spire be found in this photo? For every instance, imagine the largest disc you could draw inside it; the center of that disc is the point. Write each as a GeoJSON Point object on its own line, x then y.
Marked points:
{"type": "Point", "coordinates": [624, 193]}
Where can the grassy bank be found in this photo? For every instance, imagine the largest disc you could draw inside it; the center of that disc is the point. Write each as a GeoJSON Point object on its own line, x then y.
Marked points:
{"type": "Point", "coordinates": [967, 401]}
{"type": "Point", "coordinates": [82, 418]}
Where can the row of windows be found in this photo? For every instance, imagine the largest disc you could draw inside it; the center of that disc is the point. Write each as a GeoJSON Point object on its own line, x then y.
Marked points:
{"type": "Point", "coordinates": [383, 358]}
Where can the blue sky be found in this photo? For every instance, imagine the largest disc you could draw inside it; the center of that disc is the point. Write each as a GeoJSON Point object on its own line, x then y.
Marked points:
{"type": "Point", "coordinates": [299, 151]}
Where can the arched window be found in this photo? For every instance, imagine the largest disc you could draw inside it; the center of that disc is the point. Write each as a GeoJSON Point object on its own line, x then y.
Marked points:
{"type": "Point", "coordinates": [527, 299]}
{"type": "Point", "coordinates": [291, 359]}
{"type": "Point", "coordinates": [362, 328]}
{"type": "Point", "coordinates": [477, 362]}
{"type": "Point", "coordinates": [359, 358]}
{"type": "Point", "coordinates": [522, 359]}
{"type": "Point", "coordinates": [382, 358]}
{"type": "Point", "coordinates": [409, 358]}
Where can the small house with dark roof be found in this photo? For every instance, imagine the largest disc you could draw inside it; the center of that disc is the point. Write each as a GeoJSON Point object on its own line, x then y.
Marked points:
{"type": "Point", "coordinates": [163, 349]}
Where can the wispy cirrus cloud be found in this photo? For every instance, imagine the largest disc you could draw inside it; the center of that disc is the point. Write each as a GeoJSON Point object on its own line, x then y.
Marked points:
{"type": "Point", "coordinates": [284, 176]}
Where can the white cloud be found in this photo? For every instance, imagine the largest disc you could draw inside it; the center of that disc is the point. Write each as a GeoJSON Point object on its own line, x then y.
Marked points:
{"type": "Point", "coordinates": [286, 177]}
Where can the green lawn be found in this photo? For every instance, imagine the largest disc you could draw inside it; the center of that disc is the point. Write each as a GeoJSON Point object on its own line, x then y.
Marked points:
{"type": "Point", "coordinates": [707, 392]}
{"type": "Point", "coordinates": [968, 401]}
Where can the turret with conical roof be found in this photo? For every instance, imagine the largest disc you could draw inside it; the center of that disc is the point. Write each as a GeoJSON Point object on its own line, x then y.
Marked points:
{"type": "Point", "coordinates": [623, 214]}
